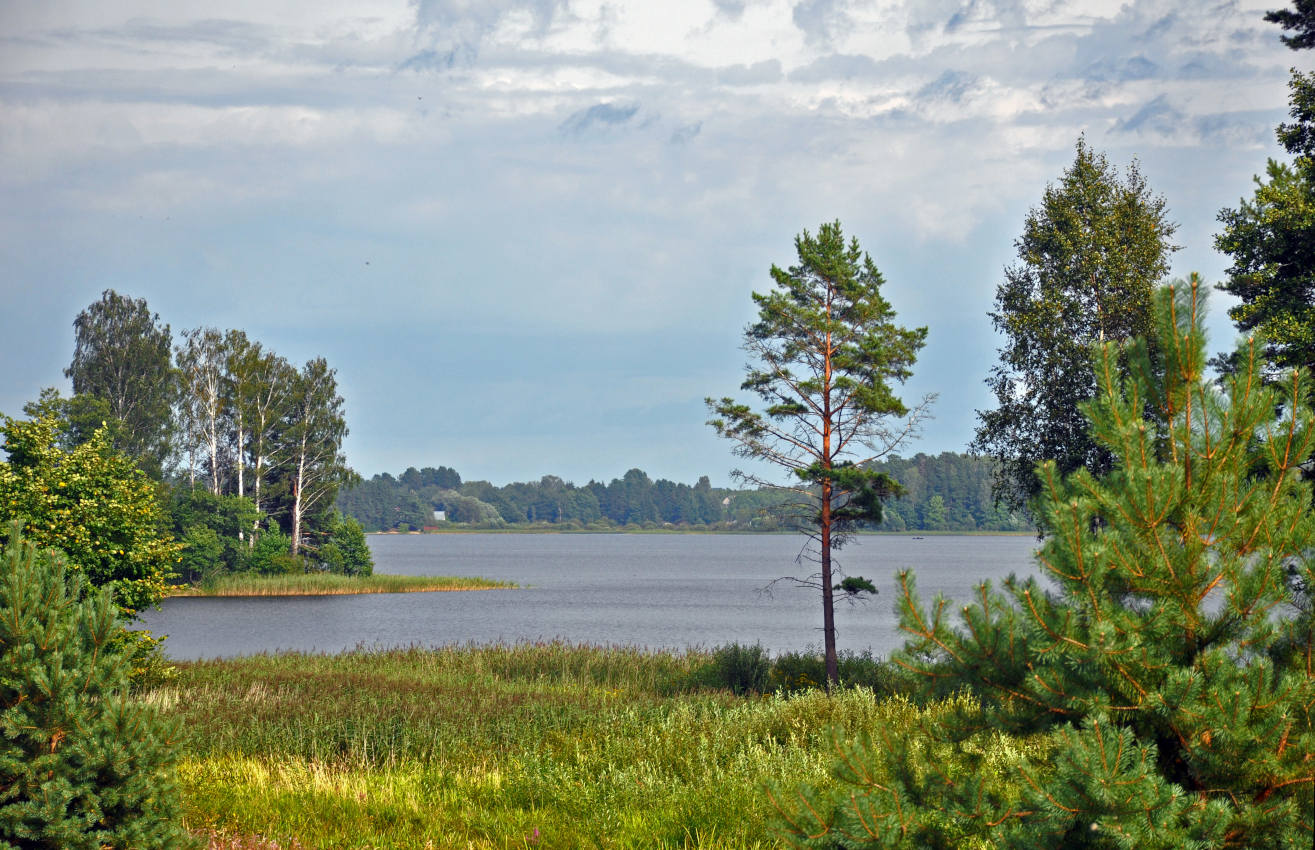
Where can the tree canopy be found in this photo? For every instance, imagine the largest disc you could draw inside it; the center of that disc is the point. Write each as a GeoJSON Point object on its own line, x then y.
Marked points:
{"type": "Point", "coordinates": [1271, 236]}
{"type": "Point", "coordinates": [93, 504]}
{"type": "Point", "coordinates": [1089, 257]}
{"type": "Point", "coordinates": [122, 355]}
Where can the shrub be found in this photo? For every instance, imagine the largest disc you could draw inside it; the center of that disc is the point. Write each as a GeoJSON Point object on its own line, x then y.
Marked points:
{"type": "Point", "coordinates": [737, 668]}
{"type": "Point", "coordinates": [345, 551]}
{"type": "Point", "coordinates": [82, 764]}
{"type": "Point", "coordinates": [271, 554]}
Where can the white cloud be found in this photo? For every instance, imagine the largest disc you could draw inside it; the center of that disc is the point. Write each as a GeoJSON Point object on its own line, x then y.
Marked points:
{"type": "Point", "coordinates": [569, 165]}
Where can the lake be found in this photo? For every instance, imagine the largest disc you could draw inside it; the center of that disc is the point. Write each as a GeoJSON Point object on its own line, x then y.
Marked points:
{"type": "Point", "coordinates": [660, 591]}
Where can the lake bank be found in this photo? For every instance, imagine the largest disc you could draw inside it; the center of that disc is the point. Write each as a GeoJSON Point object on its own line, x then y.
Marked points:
{"type": "Point", "coordinates": [550, 528]}
{"type": "Point", "coordinates": [329, 584]}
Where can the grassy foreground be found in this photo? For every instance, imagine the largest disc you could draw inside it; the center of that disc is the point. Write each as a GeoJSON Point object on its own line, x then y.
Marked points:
{"type": "Point", "coordinates": [496, 747]}
{"type": "Point", "coordinates": [331, 584]}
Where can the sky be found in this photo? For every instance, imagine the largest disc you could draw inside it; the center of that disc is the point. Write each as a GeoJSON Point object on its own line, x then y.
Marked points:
{"type": "Point", "coordinates": [525, 232]}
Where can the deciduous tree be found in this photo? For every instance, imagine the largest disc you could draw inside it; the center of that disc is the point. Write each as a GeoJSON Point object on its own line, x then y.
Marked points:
{"type": "Point", "coordinates": [91, 503]}
{"type": "Point", "coordinates": [825, 353]}
{"type": "Point", "coordinates": [1271, 236]}
{"type": "Point", "coordinates": [123, 354]}
{"type": "Point", "coordinates": [204, 401]}
{"type": "Point", "coordinates": [315, 428]}
{"type": "Point", "coordinates": [1088, 259]}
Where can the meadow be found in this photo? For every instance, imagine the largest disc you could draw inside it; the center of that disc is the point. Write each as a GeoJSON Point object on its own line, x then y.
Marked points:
{"type": "Point", "coordinates": [548, 745]}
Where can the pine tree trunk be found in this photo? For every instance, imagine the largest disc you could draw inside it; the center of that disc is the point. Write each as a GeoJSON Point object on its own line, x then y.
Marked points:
{"type": "Point", "coordinates": [828, 595]}
{"type": "Point", "coordinates": [824, 525]}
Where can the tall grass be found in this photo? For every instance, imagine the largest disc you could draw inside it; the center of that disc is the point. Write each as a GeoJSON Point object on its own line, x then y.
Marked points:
{"type": "Point", "coordinates": [549, 745]}
{"type": "Point", "coordinates": [330, 584]}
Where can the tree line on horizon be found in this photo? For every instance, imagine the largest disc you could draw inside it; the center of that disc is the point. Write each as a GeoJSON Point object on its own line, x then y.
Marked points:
{"type": "Point", "coordinates": [946, 492]}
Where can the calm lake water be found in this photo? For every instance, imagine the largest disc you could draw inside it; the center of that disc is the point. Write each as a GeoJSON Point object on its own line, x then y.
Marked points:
{"type": "Point", "coordinates": [655, 591]}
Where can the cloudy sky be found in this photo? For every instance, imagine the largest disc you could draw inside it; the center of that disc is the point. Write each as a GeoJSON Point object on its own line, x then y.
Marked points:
{"type": "Point", "coordinates": [525, 232]}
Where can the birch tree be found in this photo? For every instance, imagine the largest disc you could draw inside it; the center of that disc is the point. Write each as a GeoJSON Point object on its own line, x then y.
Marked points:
{"type": "Point", "coordinates": [264, 386]}
{"type": "Point", "coordinates": [315, 431]}
{"type": "Point", "coordinates": [1089, 257]}
{"type": "Point", "coordinates": [203, 402]}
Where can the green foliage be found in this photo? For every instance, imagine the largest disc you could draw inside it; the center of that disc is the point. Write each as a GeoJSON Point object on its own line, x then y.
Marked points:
{"type": "Point", "coordinates": [385, 503]}
{"type": "Point", "coordinates": [93, 504]}
{"type": "Point", "coordinates": [82, 764]}
{"type": "Point", "coordinates": [122, 355]}
{"type": "Point", "coordinates": [1169, 671]}
{"type": "Point", "coordinates": [1300, 18]}
{"type": "Point", "coordinates": [825, 353]}
{"type": "Point", "coordinates": [345, 551]}
{"type": "Point", "coordinates": [1088, 259]}
{"type": "Point", "coordinates": [202, 557]}
{"type": "Point", "coordinates": [1271, 239]}
{"type": "Point", "coordinates": [855, 585]}
{"type": "Point", "coordinates": [271, 555]}
{"type": "Point", "coordinates": [1271, 236]}
{"type": "Point", "coordinates": [793, 672]}
{"type": "Point", "coordinates": [216, 531]}
{"type": "Point", "coordinates": [740, 669]}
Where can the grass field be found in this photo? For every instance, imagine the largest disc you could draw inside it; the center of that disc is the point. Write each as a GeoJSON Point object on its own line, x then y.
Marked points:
{"type": "Point", "coordinates": [329, 584]}
{"type": "Point", "coordinates": [547, 745]}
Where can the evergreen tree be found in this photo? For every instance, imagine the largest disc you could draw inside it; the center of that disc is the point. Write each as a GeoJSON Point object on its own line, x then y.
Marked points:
{"type": "Point", "coordinates": [1089, 257]}
{"type": "Point", "coordinates": [83, 766]}
{"type": "Point", "coordinates": [827, 351]}
{"type": "Point", "coordinates": [1166, 682]}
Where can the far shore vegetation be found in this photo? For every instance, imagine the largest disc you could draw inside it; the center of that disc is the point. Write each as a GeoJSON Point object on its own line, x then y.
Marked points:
{"type": "Point", "coordinates": [949, 492]}
{"type": "Point", "coordinates": [332, 584]}
{"type": "Point", "coordinates": [601, 528]}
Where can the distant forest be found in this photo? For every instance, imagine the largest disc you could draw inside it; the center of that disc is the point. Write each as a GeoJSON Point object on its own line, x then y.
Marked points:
{"type": "Point", "coordinates": [946, 492]}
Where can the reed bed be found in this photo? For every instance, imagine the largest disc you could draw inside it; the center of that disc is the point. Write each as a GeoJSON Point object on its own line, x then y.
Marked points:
{"type": "Point", "coordinates": [548, 745]}
{"type": "Point", "coordinates": [332, 584]}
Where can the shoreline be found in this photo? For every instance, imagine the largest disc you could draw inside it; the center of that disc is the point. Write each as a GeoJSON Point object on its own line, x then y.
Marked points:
{"type": "Point", "coordinates": [548, 529]}
{"type": "Point", "coordinates": [334, 585]}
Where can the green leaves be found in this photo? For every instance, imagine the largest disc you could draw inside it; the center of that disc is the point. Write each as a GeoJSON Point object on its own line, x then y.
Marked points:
{"type": "Point", "coordinates": [1089, 257]}
{"type": "Point", "coordinates": [91, 503]}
